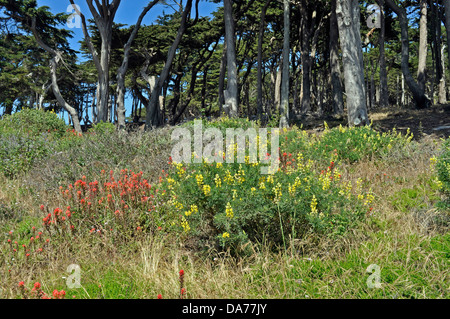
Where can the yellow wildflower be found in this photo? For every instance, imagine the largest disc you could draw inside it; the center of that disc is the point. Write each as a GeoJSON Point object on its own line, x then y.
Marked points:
{"type": "Point", "coordinates": [199, 179]}
{"type": "Point", "coordinates": [207, 190]}
{"type": "Point", "coordinates": [185, 225]}
{"type": "Point", "coordinates": [433, 161]}
{"type": "Point", "coordinates": [218, 181]}
{"type": "Point", "coordinates": [277, 192]}
{"type": "Point", "coordinates": [314, 206]}
{"type": "Point", "coordinates": [229, 211]}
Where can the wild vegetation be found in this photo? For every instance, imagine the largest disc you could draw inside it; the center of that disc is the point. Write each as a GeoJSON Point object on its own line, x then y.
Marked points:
{"type": "Point", "coordinates": [99, 207]}
{"type": "Point", "coordinates": [311, 230]}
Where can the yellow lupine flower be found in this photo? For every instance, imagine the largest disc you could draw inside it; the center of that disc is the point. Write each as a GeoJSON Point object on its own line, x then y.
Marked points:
{"type": "Point", "coordinates": [314, 206]}
{"type": "Point", "coordinates": [325, 180]}
{"type": "Point", "coordinates": [171, 181]}
{"type": "Point", "coordinates": [438, 183]}
{"type": "Point", "coordinates": [180, 170]}
{"type": "Point", "coordinates": [218, 181]}
{"type": "Point", "coordinates": [228, 178]}
{"type": "Point", "coordinates": [348, 189]}
{"type": "Point", "coordinates": [199, 179]}
{"type": "Point", "coordinates": [226, 235]}
{"type": "Point", "coordinates": [337, 174]}
{"type": "Point", "coordinates": [207, 190]}
{"type": "Point", "coordinates": [433, 161]}
{"type": "Point", "coordinates": [178, 205]}
{"type": "Point", "coordinates": [369, 199]}
{"type": "Point", "coordinates": [229, 211]}
{"type": "Point", "coordinates": [291, 190]}
{"type": "Point", "coordinates": [185, 224]}
{"type": "Point", "coordinates": [277, 192]}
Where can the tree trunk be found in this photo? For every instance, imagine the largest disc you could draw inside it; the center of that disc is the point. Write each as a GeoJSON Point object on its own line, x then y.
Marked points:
{"type": "Point", "coordinates": [384, 91]}
{"type": "Point", "coordinates": [104, 16]}
{"type": "Point", "coordinates": [53, 67]}
{"type": "Point", "coordinates": [442, 85]}
{"type": "Point", "coordinates": [222, 73]}
{"type": "Point", "coordinates": [231, 94]}
{"type": "Point", "coordinates": [348, 15]}
{"type": "Point", "coordinates": [284, 106]}
{"type": "Point", "coordinates": [153, 112]}
{"type": "Point", "coordinates": [45, 88]}
{"type": "Point", "coordinates": [438, 54]}
{"type": "Point", "coordinates": [423, 45]}
{"type": "Point", "coordinates": [447, 27]}
{"type": "Point", "coordinates": [103, 108]}
{"type": "Point", "coordinates": [61, 101]}
{"type": "Point", "coordinates": [278, 78]}
{"type": "Point", "coordinates": [403, 91]}
{"type": "Point", "coordinates": [335, 70]}
{"type": "Point", "coordinates": [420, 99]}
{"type": "Point", "coordinates": [259, 85]}
{"type": "Point", "coordinates": [305, 36]}
{"type": "Point", "coordinates": [124, 67]}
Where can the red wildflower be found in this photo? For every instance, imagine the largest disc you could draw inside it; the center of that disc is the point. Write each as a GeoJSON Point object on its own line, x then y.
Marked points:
{"type": "Point", "coordinates": [159, 296]}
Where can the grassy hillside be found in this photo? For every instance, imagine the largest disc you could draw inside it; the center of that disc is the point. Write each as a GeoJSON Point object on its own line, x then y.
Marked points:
{"type": "Point", "coordinates": [344, 201]}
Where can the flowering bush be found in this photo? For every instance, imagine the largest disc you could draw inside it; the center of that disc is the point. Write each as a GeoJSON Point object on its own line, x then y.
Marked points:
{"type": "Point", "coordinates": [350, 144]}
{"type": "Point", "coordinates": [37, 293]}
{"type": "Point", "coordinates": [442, 167]}
{"type": "Point", "coordinates": [234, 204]}
{"type": "Point", "coordinates": [116, 207]}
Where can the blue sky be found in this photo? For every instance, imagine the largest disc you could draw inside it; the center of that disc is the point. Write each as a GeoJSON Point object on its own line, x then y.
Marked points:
{"type": "Point", "coordinates": [128, 13]}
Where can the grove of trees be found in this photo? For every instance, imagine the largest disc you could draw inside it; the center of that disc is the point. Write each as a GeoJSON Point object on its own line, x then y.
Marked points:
{"type": "Point", "coordinates": [261, 59]}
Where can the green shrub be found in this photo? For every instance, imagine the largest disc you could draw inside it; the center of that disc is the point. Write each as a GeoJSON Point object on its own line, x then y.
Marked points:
{"type": "Point", "coordinates": [224, 122]}
{"type": "Point", "coordinates": [103, 128]}
{"type": "Point", "coordinates": [233, 204]}
{"type": "Point", "coordinates": [27, 136]}
{"type": "Point", "coordinates": [348, 144]}
{"type": "Point", "coordinates": [33, 122]}
{"type": "Point", "coordinates": [442, 167]}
